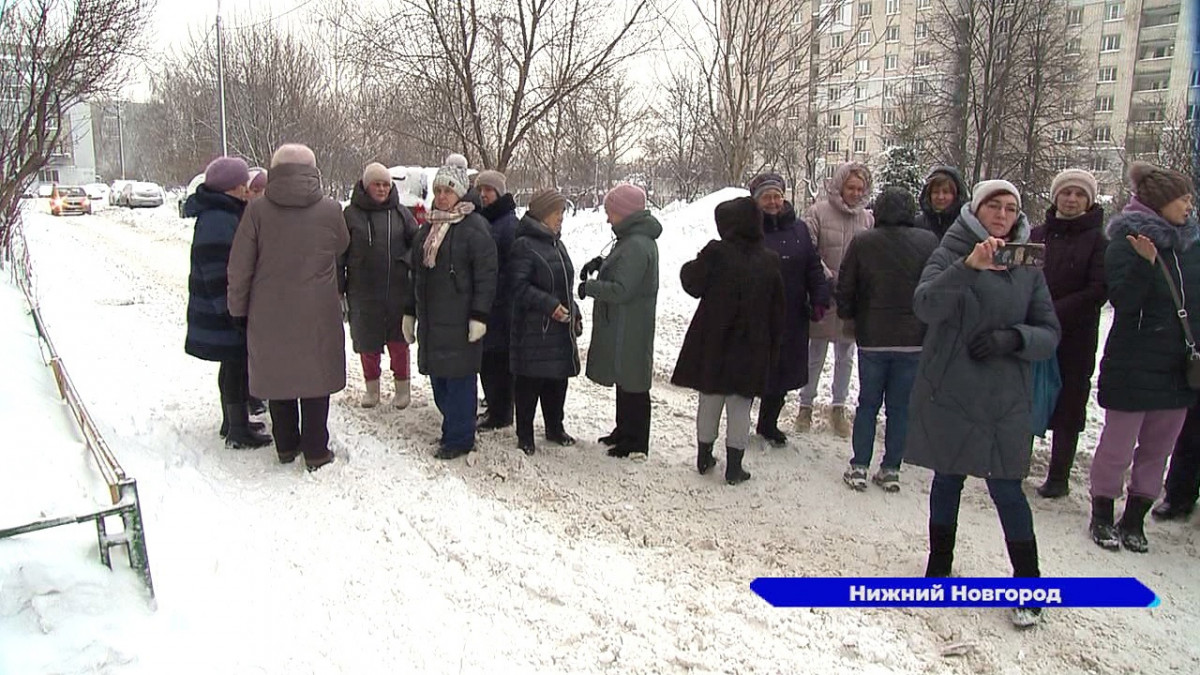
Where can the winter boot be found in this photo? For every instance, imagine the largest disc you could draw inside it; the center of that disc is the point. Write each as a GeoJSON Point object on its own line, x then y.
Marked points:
{"type": "Point", "coordinates": [1024, 558]}
{"type": "Point", "coordinates": [856, 478]}
{"type": "Point", "coordinates": [704, 458]}
{"type": "Point", "coordinates": [734, 473]}
{"type": "Point", "coordinates": [1172, 511]}
{"type": "Point", "coordinates": [254, 426]}
{"type": "Point", "coordinates": [941, 550]}
{"type": "Point", "coordinates": [1101, 527]}
{"type": "Point", "coordinates": [887, 478]}
{"type": "Point", "coordinates": [803, 419]}
{"type": "Point", "coordinates": [1132, 525]}
{"type": "Point", "coordinates": [527, 446]}
{"type": "Point", "coordinates": [768, 421]}
{"type": "Point", "coordinates": [839, 421]}
{"type": "Point", "coordinates": [370, 397]}
{"type": "Point", "coordinates": [561, 438]}
{"type": "Point", "coordinates": [257, 406]}
{"type": "Point", "coordinates": [403, 395]}
{"type": "Point", "coordinates": [613, 438]}
{"type": "Point", "coordinates": [312, 465]}
{"type": "Point", "coordinates": [1062, 457]}
{"type": "Point", "coordinates": [241, 435]}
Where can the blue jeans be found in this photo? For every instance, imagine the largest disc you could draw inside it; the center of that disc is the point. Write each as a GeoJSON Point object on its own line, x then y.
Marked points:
{"type": "Point", "coordinates": [456, 398]}
{"type": "Point", "coordinates": [1011, 505]}
{"type": "Point", "coordinates": [883, 377]}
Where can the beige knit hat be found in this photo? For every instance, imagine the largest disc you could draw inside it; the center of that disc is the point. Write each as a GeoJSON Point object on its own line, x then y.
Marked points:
{"type": "Point", "coordinates": [546, 201]}
{"type": "Point", "coordinates": [376, 173]}
{"type": "Point", "coordinates": [1079, 178]}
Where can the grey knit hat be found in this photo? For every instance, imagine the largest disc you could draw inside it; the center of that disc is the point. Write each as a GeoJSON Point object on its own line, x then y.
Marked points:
{"type": "Point", "coordinates": [546, 201]}
{"type": "Point", "coordinates": [452, 177]}
{"type": "Point", "coordinates": [493, 179]}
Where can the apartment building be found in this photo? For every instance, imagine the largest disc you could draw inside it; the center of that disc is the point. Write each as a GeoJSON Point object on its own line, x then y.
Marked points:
{"type": "Point", "coordinates": [1140, 73]}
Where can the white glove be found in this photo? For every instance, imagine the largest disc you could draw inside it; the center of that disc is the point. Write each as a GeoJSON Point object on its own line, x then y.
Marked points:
{"type": "Point", "coordinates": [409, 328]}
{"type": "Point", "coordinates": [475, 330]}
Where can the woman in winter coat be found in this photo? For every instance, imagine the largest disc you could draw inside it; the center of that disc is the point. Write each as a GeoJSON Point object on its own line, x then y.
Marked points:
{"type": "Point", "coordinates": [283, 287]}
{"type": "Point", "coordinates": [971, 404]}
{"type": "Point", "coordinates": [732, 344]}
{"type": "Point", "coordinates": [625, 289]}
{"type": "Point", "coordinates": [545, 319]}
{"type": "Point", "coordinates": [1075, 244]}
{"type": "Point", "coordinates": [941, 200]}
{"type": "Point", "coordinates": [376, 279]}
{"type": "Point", "coordinates": [212, 334]}
{"type": "Point", "coordinates": [833, 224]}
{"type": "Point", "coordinates": [1143, 384]}
{"type": "Point", "coordinates": [454, 283]}
{"type": "Point", "coordinates": [499, 208]}
{"type": "Point", "coordinates": [806, 293]}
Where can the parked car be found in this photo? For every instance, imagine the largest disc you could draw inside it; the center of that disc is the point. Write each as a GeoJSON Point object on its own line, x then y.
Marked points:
{"type": "Point", "coordinates": [142, 194]}
{"type": "Point", "coordinates": [64, 200]}
{"type": "Point", "coordinates": [117, 192]}
{"type": "Point", "coordinates": [45, 190]}
{"type": "Point", "coordinates": [96, 191]}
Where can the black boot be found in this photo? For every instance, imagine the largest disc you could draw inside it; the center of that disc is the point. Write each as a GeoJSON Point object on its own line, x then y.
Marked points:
{"type": "Point", "coordinates": [1131, 528]}
{"type": "Point", "coordinates": [1101, 528]}
{"type": "Point", "coordinates": [241, 433]}
{"type": "Point", "coordinates": [613, 438]}
{"type": "Point", "coordinates": [704, 458]}
{"type": "Point", "coordinates": [1172, 511]}
{"type": "Point", "coordinates": [256, 405]}
{"type": "Point", "coordinates": [257, 427]}
{"type": "Point", "coordinates": [734, 473]}
{"type": "Point", "coordinates": [1024, 558]}
{"type": "Point", "coordinates": [1062, 458]}
{"type": "Point", "coordinates": [768, 421]}
{"type": "Point", "coordinates": [941, 550]}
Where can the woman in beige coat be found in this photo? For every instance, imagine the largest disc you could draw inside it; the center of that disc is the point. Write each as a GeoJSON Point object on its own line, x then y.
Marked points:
{"type": "Point", "coordinates": [833, 223]}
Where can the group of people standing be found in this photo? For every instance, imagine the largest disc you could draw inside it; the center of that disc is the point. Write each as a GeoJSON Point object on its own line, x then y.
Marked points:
{"type": "Point", "coordinates": [947, 340]}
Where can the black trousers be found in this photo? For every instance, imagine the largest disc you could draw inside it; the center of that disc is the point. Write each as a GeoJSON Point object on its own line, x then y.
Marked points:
{"type": "Point", "coordinates": [497, 384]}
{"type": "Point", "coordinates": [633, 420]}
{"type": "Point", "coordinates": [553, 396]}
{"type": "Point", "coordinates": [301, 426]}
{"type": "Point", "coordinates": [1183, 480]}
{"type": "Point", "coordinates": [769, 408]}
{"type": "Point", "coordinates": [233, 381]}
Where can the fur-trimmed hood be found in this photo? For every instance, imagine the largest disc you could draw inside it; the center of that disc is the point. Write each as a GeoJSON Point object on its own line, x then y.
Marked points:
{"type": "Point", "coordinates": [1139, 219]}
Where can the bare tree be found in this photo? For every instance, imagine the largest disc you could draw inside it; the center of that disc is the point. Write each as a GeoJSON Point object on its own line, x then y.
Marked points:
{"type": "Point", "coordinates": [56, 54]}
{"type": "Point", "coordinates": [489, 72]}
{"type": "Point", "coordinates": [620, 114]}
{"type": "Point", "coordinates": [677, 145]}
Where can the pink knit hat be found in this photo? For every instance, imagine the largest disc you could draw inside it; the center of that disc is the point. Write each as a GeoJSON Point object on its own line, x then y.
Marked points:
{"type": "Point", "coordinates": [225, 173]}
{"type": "Point", "coordinates": [258, 178]}
{"type": "Point", "coordinates": [624, 200]}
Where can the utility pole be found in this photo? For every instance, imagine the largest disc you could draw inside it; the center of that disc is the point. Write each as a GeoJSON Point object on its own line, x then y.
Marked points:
{"type": "Point", "coordinates": [221, 80]}
{"type": "Point", "coordinates": [120, 141]}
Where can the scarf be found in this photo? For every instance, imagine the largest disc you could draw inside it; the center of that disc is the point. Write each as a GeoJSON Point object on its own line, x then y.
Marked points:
{"type": "Point", "coordinates": [439, 224]}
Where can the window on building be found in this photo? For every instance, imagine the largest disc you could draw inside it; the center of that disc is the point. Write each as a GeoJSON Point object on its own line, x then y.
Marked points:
{"type": "Point", "coordinates": [1001, 54]}
{"type": "Point", "coordinates": [924, 88]}
{"type": "Point", "coordinates": [1110, 43]}
{"type": "Point", "coordinates": [835, 93]}
{"type": "Point", "coordinates": [891, 89]}
{"type": "Point", "coordinates": [1103, 135]}
{"type": "Point", "coordinates": [834, 145]}
{"type": "Point", "coordinates": [1196, 78]}
{"type": "Point", "coordinates": [921, 30]}
{"type": "Point", "coordinates": [893, 34]}
{"type": "Point", "coordinates": [48, 176]}
{"type": "Point", "coordinates": [891, 62]}
{"type": "Point", "coordinates": [1114, 12]}
{"type": "Point", "coordinates": [864, 66]}
{"type": "Point", "coordinates": [1061, 163]}
{"type": "Point", "coordinates": [1099, 164]}
{"type": "Point", "coordinates": [860, 118]}
{"type": "Point", "coordinates": [1164, 51]}
{"type": "Point", "coordinates": [1075, 17]}
{"type": "Point", "coordinates": [1192, 111]}
{"type": "Point", "coordinates": [923, 4]}
{"type": "Point", "coordinates": [860, 92]}
{"type": "Point", "coordinates": [1104, 104]}
{"type": "Point", "coordinates": [1001, 26]}
{"type": "Point", "coordinates": [889, 116]}
{"type": "Point", "coordinates": [860, 145]}
{"type": "Point", "coordinates": [835, 41]}
{"type": "Point", "coordinates": [893, 7]}
{"type": "Point", "coordinates": [1064, 135]}
{"type": "Point", "coordinates": [923, 59]}
{"type": "Point", "coordinates": [835, 119]}
{"type": "Point", "coordinates": [1074, 47]}
{"type": "Point", "coordinates": [864, 9]}
{"type": "Point", "coordinates": [864, 38]}
{"type": "Point", "coordinates": [836, 66]}
{"type": "Point", "coordinates": [1068, 108]}
{"type": "Point", "coordinates": [1107, 74]}
{"type": "Point", "coordinates": [829, 169]}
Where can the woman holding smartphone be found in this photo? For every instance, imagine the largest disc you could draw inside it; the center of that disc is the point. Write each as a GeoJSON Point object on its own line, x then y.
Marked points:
{"type": "Point", "coordinates": [971, 404]}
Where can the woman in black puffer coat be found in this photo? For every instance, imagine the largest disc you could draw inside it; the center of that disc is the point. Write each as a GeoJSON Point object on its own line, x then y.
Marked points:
{"type": "Point", "coordinates": [543, 354]}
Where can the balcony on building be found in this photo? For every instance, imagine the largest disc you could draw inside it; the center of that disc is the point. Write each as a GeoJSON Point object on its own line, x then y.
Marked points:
{"type": "Point", "coordinates": [1155, 55]}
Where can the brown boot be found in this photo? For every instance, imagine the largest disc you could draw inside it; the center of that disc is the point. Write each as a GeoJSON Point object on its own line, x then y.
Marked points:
{"type": "Point", "coordinates": [839, 422]}
{"type": "Point", "coordinates": [803, 419]}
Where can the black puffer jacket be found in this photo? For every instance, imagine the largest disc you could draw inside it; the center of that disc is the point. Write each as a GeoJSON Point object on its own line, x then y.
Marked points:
{"type": "Point", "coordinates": [502, 218]}
{"type": "Point", "coordinates": [938, 222]}
{"type": "Point", "coordinates": [542, 276]}
{"type": "Point", "coordinates": [459, 288]}
{"type": "Point", "coordinates": [878, 278]}
{"type": "Point", "coordinates": [375, 272]}
{"type": "Point", "coordinates": [1143, 364]}
{"type": "Point", "coordinates": [211, 334]}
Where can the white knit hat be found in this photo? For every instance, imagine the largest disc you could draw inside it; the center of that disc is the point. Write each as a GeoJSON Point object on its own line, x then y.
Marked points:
{"type": "Point", "coordinates": [985, 190]}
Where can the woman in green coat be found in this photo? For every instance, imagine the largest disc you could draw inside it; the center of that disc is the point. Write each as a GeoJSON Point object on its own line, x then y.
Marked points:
{"type": "Point", "coordinates": [626, 293]}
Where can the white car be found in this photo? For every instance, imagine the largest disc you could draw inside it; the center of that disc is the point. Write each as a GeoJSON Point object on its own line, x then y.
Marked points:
{"type": "Point", "coordinates": [117, 193]}
{"type": "Point", "coordinates": [142, 194]}
{"type": "Point", "coordinates": [96, 191]}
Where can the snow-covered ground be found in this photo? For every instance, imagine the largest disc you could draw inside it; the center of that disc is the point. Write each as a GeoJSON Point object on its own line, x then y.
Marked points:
{"type": "Point", "coordinates": [569, 561]}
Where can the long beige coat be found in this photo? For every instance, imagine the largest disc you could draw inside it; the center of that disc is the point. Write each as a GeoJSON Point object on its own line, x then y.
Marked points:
{"type": "Point", "coordinates": [832, 224]}
{"type": "Point", "coordinates": [283, 278]}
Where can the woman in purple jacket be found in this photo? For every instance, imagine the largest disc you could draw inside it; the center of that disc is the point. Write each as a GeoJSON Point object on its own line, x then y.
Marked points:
{"type": "Point", "coordinates": [1075, 245]}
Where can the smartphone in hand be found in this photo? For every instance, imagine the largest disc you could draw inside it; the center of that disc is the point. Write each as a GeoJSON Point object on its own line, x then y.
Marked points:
{"type": "Point", "coordinates": [1021, 255]}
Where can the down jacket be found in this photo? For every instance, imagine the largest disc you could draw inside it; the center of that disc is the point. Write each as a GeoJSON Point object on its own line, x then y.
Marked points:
{"type": "Point", "coordinates": [833, 224]}
{"type": "Point", "coordinates": [969, 417]}
{"type": "Point", "coordinates": [542, 279]}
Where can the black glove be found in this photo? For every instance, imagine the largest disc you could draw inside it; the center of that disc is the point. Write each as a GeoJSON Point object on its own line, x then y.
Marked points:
{"type": "Point", "coordinates": [994, 343]}
{"type": "Point", "coordinates": [583, 290]}
{"type": "Point", "coordinates": [239, 322]}
{"type": "Point", "coordinates": [590, 268]}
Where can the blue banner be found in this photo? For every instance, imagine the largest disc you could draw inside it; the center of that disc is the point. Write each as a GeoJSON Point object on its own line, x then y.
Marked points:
{"type": "Point", "coordinates": [954, 592]}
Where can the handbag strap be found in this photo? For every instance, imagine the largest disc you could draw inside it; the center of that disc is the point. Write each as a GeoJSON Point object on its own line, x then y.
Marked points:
{"type": "Point", "coordinates": [1180, 310]}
